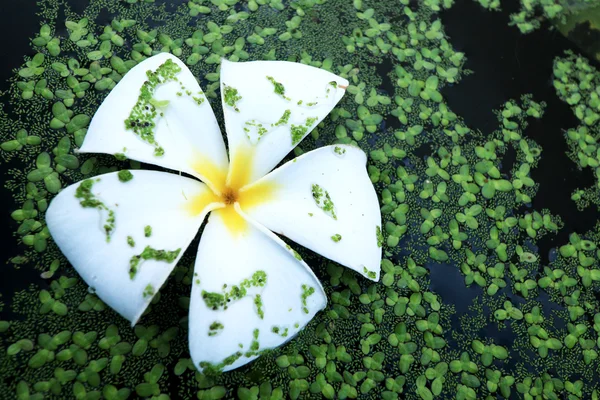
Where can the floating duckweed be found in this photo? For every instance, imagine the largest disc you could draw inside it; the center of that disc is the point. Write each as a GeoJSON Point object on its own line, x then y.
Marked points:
{"type": "Point", "coordinates": [576, 83]}
{"type": "Point", "coordinates": [430, 170]}
{"type": "Point", "coordinates": [531, 14]}
{"type": "Point", "coordinates": [336, 238]}
{"type": "Point", "coordinates": [147, 231]}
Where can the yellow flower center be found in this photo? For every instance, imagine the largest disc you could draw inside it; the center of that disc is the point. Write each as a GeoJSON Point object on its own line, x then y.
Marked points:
{"type": "Point", "coordinates": [231, 186]}
{"type": "Point", "coordinates": [229, 196]}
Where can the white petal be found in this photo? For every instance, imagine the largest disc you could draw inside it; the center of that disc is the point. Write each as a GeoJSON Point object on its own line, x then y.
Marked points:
{"type": "Point", "coordinates": [259, 104]}
{"type": "Point", "coordinates": [229, 254]}
{"type": "Point", "coordinates": [291, 209]}
{"type": "Point", "coordinates": [173, 206]}
{"type": "Point", "coordinates": [188, 132]}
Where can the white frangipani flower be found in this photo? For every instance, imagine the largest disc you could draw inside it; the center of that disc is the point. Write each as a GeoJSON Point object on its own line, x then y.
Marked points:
{"type": "Point", "coordinates": [124, 232]}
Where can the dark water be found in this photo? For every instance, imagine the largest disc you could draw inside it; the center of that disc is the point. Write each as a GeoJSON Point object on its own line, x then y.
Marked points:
{"type": "Point", "coordinates": [18, 24]}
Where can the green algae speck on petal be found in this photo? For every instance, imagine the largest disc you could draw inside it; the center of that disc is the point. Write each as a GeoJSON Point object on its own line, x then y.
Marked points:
{"type": "Point", "coordinates": [125, 175]}
{"type": "Point", "coordinates": [278, 88]}
{"type": "Point", "coordinates": [151, 254]}
{"type": "Point", "coordinates": [142, 119]}
{"type": "Point", "coordinates": [89, 200]}
{"type": "Point", "coordinates": [323, 200]}
{"type": "Point", "coordinates": [231, 97]}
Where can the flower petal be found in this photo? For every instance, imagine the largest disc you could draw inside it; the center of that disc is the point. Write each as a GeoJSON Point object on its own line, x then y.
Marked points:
{"type": "Point", "coordinates": [187, 132]}
{"type": "Point", "coordinates": [269, 107]}
{"type": "Point", "coordinates": [324, 200]}
{"type": "Point", "coordinates": [101, 250]}
{"type": "Point", "coordinates": [251, 294]}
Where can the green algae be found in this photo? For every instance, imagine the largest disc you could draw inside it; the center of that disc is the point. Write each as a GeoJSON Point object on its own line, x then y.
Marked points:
{"type": "Point", "coordinates": [231, 97]}
{"type": "Point", "coordinates": [297, 255]}
{"type": "Point", "coordinates": [142, 119]}
{"type": "Point", "coordinates": [576, 83]}
{"type": "Point", "coordinates": [278, 87]}
{"type": "Point", "coordinates": [532, 13]}
{"type": "Point", "coordinates": [387, 340]}
{"type": "Point", "coordinates": [125, 175]}
{"type": "Point", "coordinates": [148, 291]}
{"type": "Point", "coordinates": [221, 301]}
{"type": "Point", "coordinates": [256, 130]}
{"type": "Point", "coordinates": [298, 132]}
{"type": "Point", "coordinates": [215, 328]}
{"type": "Point", "coordinates": [323, 200]}
{"type": "Point", "coordinates": [307, 291]}
{"type": "Point", "coordinates": [259, 306]}
{"type": "Point", "coordinates": [150, 253]}
{"type": "Point", "coordinates": [89, 200]}
{"type": "Point", "coordinates": [284, 118]}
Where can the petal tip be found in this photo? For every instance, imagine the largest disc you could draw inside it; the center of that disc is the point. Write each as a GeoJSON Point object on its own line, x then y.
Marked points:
{"type": "Point", "coordinates": [137, 316]}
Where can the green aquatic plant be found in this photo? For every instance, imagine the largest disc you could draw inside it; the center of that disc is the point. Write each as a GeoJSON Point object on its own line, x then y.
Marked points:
{"type": "Point", "coordinates": [533, 12]}
{"type": "Point", "coordinates": [576, 83]}
{"type": "Point", "coordinates": [451, 203]}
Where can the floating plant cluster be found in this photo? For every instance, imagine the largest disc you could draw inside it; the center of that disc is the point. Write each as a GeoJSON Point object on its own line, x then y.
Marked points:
{"type": "Point", "coordinates": [454, 202]}
{"type": "Point", "coordinates": [533, 12]}
{"type": "Point", "coordinates": [578, 84]}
